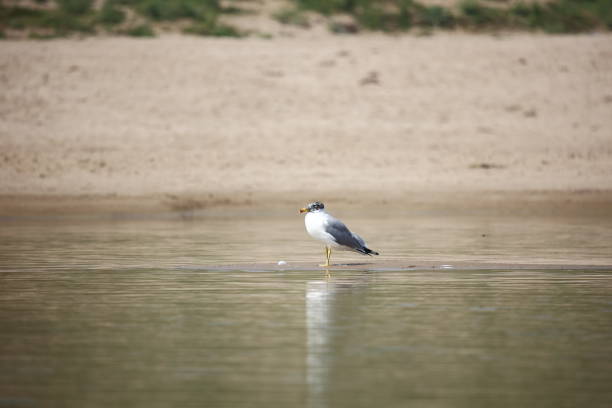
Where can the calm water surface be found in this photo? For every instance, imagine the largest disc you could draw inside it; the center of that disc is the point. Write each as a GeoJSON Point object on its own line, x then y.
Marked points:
{"type": "Point", "coordinates": [131, 313]}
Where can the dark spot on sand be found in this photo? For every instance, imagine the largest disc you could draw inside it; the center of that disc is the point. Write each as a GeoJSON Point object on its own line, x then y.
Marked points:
{"type": "Point", "coordinates": [486, 166]}
{"type": "Point", "coordinates": [530, 113]}
{"type": "Point", "coordinates": [370, 79]}
{"type": "Point", "coordinates": [513, 108]}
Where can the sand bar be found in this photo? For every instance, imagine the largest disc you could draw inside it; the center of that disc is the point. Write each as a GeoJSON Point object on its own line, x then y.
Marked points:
{"type": "Point", "coordinates": [107, 125]}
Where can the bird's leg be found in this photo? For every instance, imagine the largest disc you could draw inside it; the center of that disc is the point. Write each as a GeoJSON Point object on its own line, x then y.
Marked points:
{"type": "Point", "coordinates": [327, 255]}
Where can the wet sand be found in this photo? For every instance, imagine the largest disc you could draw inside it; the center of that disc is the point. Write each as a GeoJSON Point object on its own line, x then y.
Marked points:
{"type": "Point", "coordinates": [514, 123]}
{"type": "Point", "coordinates": [484, 203]}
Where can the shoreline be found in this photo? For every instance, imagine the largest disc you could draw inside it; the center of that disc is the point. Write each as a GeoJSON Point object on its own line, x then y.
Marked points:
{"type": "Point", "coordinates": [540, 203]}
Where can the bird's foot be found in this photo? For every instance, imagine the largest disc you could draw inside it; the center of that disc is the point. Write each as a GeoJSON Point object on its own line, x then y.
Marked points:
{"type": "Point", "coordinates": [325, 265]}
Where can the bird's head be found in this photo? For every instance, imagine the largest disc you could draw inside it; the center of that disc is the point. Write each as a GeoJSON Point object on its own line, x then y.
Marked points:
{"type": "Point", "coordinates": [312, 207]}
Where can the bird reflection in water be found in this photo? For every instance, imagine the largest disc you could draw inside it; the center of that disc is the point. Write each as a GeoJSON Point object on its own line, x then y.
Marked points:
{"type": "Point", "coordinates": [323, 337]}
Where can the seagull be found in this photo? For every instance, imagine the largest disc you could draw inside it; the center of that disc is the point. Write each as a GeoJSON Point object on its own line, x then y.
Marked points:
{"type": "Point", "coordinates": [334, 234]}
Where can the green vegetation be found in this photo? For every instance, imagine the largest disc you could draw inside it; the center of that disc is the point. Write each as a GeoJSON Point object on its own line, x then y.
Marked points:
{"type": "Point", "coordinates": [75, 7]}
{"type": "Point", "coordinates": [171, 10]}
{"type": "Point", "coordinates": [110, 14]}
{"type": "Point", "coordinates": [45, 23]}
{"type": "Point", "coordinates": [560, 16]}
{"type": "Point", "coordinates": [475, 14]}
{"type": "Point", "coordinates": [142, 30]}
{"type": "Point", "coordinates": [564, 16]}
{"type": "Point", "coordinates": [292, 16]}
{"type": "Point", "coordinates": [434, 17]}
{"type": "Point", "coordinates": [127, 17]}
{"type": "Point", "coordinates": [555, 16]}
{"type": "Point", "coordinates": [213, 29]}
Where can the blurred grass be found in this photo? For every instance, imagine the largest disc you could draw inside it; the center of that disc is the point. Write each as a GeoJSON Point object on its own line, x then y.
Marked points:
{"type": "Point", "coordinates": [555, 16]}
{"type": "Point", "coordinates": [292, 16]}
{"type": "Point", "coordinates": [125, 17]}
{"type": "Point", "coordinates": [142, 30]}
{"type": "Point", "coordinates": [212, 28]}
{"type": "Point", "coordinates": [46, 23]}
{"type": "Point", "coordinates": [75, 7]}
{"type": "Point", "coordinates": [110, 14]}
{"type": "Point", "coordinates": [56, 18]}
{"type": "Point", "coordinates": [172, 10]}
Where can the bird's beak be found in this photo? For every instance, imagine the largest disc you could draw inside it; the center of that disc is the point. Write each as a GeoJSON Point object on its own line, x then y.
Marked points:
{"type": "Point", "coordinates": [303, 210]}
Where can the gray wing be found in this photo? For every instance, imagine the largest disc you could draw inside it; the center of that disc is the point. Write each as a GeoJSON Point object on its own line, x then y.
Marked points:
{"type": "Point", "coordinates": [343, 236]}
{"type": "Point", "coordinates": [359, 239]}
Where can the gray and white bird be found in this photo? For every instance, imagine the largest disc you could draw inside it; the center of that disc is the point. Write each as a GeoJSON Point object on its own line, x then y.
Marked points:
{"type": "Point", "coordinates": [332, 232]}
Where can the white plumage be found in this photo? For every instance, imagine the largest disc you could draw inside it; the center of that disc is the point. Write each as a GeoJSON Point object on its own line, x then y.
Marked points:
{"type": "Point", "coordinates": [318, 222]}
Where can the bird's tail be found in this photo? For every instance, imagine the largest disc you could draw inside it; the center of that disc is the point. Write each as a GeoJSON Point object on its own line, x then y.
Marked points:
{"type": "Point", "coordinates": [368, 251]}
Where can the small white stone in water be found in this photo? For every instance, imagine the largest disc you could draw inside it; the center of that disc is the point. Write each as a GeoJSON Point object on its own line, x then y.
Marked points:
{"type": "Point", "coordinates": [446, 266]}
{"type": "Point", "coordinates": [282, 263]}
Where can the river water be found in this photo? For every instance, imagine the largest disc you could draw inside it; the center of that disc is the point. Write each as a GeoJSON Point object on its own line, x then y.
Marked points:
{"type": "Point", "coordinates": [134, 313]}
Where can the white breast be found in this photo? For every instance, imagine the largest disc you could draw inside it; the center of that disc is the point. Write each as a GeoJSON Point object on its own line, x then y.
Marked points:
{"type": "Point", "coordinates": [315, 225]}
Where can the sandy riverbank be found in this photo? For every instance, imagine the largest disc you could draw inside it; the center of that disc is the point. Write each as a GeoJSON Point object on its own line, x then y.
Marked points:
{"type": "Point", "coordinates": [108, 125]}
